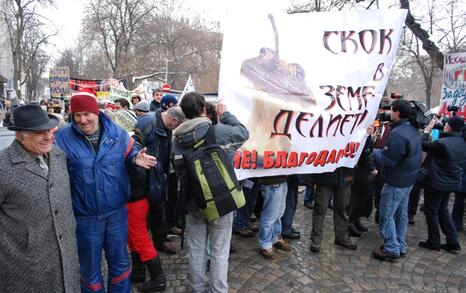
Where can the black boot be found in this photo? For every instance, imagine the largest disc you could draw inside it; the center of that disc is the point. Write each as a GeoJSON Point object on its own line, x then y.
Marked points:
{"type": "Point", "coordinates": [352, 231]}
{"type": "Point", "coordinates": [138, 270]}
{"type": "Point", "coordinates": [360, 226]}
{"type": "Point", "coordinates": [157, 281]}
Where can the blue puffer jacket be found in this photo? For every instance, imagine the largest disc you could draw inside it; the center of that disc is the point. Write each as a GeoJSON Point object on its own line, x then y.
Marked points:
{"type": "Point", "coordinates": [99, 181]}
{"type": "Point", "coordinates": [401, 158]}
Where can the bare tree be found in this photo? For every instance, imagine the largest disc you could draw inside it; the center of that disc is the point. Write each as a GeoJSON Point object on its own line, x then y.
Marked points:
{"type": "Point", "coordinates": [452, 28]}
{"type": "Point", "coordinates": [20, 17]}
{"type": "Point", "coordinates": [72, 59]}
{"type": "Point", "coordinates": [179, 47]}
{"type": "Point", "coordinates": [114, 25]}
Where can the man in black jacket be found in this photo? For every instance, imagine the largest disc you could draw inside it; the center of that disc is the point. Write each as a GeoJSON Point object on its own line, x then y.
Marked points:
{"type": "Point", "coordinates": [401, 162]}
{"type": "Point", "coordinates": [446, 156]}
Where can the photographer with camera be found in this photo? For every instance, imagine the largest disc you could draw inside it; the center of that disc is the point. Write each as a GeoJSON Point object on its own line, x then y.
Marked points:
{"type": "Point", "coordinates": [446, 157]}
{"type": "Point", "coordinates": [401, 162]}
{"type": "Point", "coordinates": [380, 137]}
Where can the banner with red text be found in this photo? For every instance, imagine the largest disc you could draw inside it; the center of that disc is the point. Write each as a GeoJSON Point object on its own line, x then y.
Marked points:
{"type": "Point", "coordinates": [453, 93]}
{"type": "Point", "coordinates": [100, 86]}
{"type": "Point", "coordinates": [307, 86]}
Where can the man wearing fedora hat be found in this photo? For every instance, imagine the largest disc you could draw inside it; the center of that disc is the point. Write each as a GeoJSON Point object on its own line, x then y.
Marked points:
{"type": "Point", "coordinates": [38, 250]}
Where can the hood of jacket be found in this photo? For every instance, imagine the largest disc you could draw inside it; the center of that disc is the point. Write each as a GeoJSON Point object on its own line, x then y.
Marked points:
{"type": "Point", "coordinates": [191, 131]}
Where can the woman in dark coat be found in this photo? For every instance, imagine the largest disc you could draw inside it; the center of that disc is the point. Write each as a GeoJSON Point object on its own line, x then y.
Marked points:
{"type": "Point", "coordinates": [362, 190]}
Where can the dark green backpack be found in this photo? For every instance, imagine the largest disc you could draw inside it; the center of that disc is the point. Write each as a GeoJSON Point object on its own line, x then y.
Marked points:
{"type": "Point", "coordinates": [212, 177]}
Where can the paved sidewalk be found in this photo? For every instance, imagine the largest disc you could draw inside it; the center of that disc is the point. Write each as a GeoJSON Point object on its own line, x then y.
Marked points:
{"type": "Point", "coordinates": [334, 269]}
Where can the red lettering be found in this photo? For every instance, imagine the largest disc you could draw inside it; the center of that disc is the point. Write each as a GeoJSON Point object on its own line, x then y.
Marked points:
{"type": "Point", "coordinates": [237, 159]}
{"type": "Point", "coordinates": [321, 158]}
{"type": "Point", "coordinates": [331, 157]}
{"type": "Point", "coordinates": [341, 153]}
{"type": "Point", "coordinates": [268, 161]}
{"type": "Point", "coordinates": [254, 159]}
{"type": "Point", "coordinates": [292, 160]}
{"type": "Point", "coordinates": [302, 157]}
{"type": "Point", "coordinates": [311, 158]}
{"type": "Point", "coordinates": [246, 164]}
{"type": "Point", "coordinates": [281, 159]}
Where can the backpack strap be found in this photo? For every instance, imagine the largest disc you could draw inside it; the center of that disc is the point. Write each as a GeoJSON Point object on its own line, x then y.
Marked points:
{"type": "Point", "coordinates": [210, 135]}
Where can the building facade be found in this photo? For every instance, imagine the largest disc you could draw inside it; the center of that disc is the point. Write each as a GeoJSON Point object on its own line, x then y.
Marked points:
{"type": "Point", "coordinates": [6, 60]}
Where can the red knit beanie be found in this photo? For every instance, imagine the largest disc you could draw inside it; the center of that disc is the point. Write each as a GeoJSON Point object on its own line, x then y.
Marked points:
{"type": "Point", "coordinates": [84, 101]}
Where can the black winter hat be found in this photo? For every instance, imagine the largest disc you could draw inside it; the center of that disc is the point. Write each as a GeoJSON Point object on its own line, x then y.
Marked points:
{"type": "Point", "coordinates": [456, 123]}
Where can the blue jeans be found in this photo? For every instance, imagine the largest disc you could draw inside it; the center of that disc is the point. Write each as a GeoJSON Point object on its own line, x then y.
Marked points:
{"type": "Point", "coordinates": [309, 195]}
{"type": "Point", "coordinates": [270, 226]}
{"type": "Point", "coordinates": [436, 210]}
{"type": "Point", "coordinates": [291, 201]}
{"type": "Point", "coordinates": [110, 234]}
{"type": "Point", "coordinates": [393, 222]}
{"type": "Point", "coordinates": [243, 214]}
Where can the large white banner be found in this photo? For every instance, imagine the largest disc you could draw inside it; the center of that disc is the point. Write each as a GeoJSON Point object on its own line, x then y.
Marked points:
{"type": "Point", "coordinates": [307, 86]}
{"type": "Point", "coordinates": [453, 91]}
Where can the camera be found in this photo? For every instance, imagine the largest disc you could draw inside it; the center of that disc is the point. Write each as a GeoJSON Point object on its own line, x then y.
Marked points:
{"type": "Point", "coordinates": [439, 125]}
{"type": "Point", "coordinates": [454, 109]}
{"type": "Point", "coordinates": [383, 117]}
{"type": "Point", "coordinates": [417, 116]}
{"type": "Point", "coordinates": [385, 105]}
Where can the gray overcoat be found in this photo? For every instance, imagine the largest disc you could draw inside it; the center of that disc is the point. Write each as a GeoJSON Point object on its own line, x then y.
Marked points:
{"type": "Point", "coordinates": [38, 250]}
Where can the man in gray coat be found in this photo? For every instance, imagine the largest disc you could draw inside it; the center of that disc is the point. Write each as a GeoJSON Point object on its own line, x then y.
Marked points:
{"type": "Point", "coordinates": [38, 250]}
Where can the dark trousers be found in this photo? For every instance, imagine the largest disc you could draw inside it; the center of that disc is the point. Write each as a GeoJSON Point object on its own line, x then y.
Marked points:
{"type": "Point", "coordinates": [172, 198]}
{"type": "Point", "coordinates": [291, 202]}
{"type": "Point", "coordinates": [340, 221]}
{"type": "Point", "coordinates": [243, 214]}
{"type": "Point", "coordinates": [436, 210]}
{"type": "Point", "coordinates": [360, 200]}
{"type": "Point", "coordinates": [158, 223]}
{"type": "Point", "coordinates": [413, 202]}
{"type": "Point", "coordinates": [458, 210]}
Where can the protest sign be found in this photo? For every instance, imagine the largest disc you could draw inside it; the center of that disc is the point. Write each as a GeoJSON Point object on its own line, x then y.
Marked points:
{"type": "Point", "coordinates": [453, 91]}
{"type": "Point", "coordinates": [126, 119]}
{"type": "Point", "coordinates": [59, 80]}
{"type": "Point", "coordinates": [307, 86]}
{"type": "Point", "coordinates": [119, 92]}
{"type": "Point", "coordinates": [100, 86]}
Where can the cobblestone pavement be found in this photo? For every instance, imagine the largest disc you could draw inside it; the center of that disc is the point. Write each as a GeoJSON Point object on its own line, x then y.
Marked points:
{"type": "Point", "coordinates": [334, 269]}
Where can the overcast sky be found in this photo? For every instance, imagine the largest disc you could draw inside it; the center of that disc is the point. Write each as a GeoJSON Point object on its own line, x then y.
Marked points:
{"type": "Point", "coordinates": [68, 14]}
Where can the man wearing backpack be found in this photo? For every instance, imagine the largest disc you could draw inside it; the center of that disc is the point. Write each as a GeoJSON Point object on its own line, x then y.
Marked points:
{"type": "Point", "coordinates": [229, 133]}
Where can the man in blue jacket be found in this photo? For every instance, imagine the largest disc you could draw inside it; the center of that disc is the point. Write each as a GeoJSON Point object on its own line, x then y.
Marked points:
{"type": "Point", "coordinates": [98, 153]}
{"type": "Point", "coordinates": [401, 162]}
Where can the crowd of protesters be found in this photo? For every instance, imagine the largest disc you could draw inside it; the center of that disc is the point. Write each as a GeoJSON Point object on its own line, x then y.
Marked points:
{"type": "Point", "coordinates": [129, 191]}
